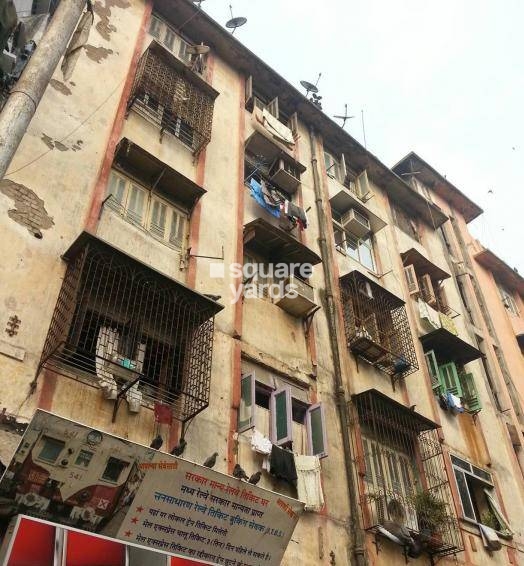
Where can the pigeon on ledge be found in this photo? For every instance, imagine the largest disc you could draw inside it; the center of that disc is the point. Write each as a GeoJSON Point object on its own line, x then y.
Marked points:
{"type": "Point", "coordinates": [157, 442]}
{"type": "Point", "coordinates": [211, 461]}
{"type": "Point", "coordinates": [239, 473]}
{"type": "Point", "coordinates": [255, 478]}
{"type": "Point", "coordinates": [178, 450]}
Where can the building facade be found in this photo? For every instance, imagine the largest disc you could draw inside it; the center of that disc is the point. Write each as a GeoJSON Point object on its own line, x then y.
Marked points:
{"type": "Point", "coordinates": [183, 228]}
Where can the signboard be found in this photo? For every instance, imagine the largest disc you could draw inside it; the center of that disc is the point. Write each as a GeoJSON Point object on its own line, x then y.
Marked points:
{"type": "Point", "coordinates": [72, 475]}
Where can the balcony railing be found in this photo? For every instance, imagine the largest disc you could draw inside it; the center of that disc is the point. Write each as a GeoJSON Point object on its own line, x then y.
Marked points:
{"type": "Point", "coordinates": [173, 97]}
{"type": "Point", "coordinates": [404, 489]}
{"type": "Point", "coordinates": [117, 321]}
{"type": "Point", "coordinates": [377, 327]}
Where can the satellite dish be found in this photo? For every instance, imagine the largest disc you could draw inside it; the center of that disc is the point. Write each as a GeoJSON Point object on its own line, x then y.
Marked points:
{"type": "Point", "coordinates": [235, 23]}
{"type": "Point", "coordinates": [197, 49]}
{"type": "Point", "coordinates": [310, 87]}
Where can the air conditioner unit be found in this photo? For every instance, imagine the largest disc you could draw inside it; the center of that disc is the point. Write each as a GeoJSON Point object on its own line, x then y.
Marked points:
{"type": "Point", "coordinates": [355, 222]}
{"type": "Point", "coordinates": [296, 297]}
{"type": "Point", "coordinates": [285, 175]}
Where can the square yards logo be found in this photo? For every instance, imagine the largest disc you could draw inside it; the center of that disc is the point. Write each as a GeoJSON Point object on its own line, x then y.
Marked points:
{"type": "Point", "coordinates": [271, 280]}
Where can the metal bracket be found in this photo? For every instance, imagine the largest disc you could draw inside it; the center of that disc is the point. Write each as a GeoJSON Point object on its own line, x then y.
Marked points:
{"type": "Point", "coordinates": [121, 393]}
{"type": "Point", "coordinates": [189, 254]}
{"type": "Point", "coordinates": [308, 319]}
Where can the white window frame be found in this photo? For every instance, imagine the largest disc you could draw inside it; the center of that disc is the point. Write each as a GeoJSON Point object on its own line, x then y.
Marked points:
{"type": "Point", "coordinates": [248, 405]}
{"type": "Point", "coordinates": [121, 205]}
{"type": "Point", "coordinates": [366, 241]}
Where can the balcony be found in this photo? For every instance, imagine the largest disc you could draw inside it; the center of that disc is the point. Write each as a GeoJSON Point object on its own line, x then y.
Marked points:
{"type": "Point", "coordinates": [377, 327]}
{"type": "Point", "coordinates": [173, 97]}
{"type": "Point", "coordinates": [404, 489]}
{"type": "Point", "coordinates": [124, 327]}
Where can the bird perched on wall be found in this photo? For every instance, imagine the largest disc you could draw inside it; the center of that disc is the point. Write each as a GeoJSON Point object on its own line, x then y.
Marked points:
{"type": "Point", "coordinates": [239, 473]}
{"type": "Point", "coordinates": [211, 461]}
{"type": "Point", "coordinates": [178, 450]}
{"type": "Point", "coordinates": [157, 442]}
{"type": "Point", "coordinates": [255, 478]}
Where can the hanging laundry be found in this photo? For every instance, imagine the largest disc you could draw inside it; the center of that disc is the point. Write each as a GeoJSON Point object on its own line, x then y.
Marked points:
{"type": "Point", "coordinates": [309, 485]}
{"type": "Point", "coordinates": [454, 402]}
{"type": "Point", "coordinates": [296, 214]}
{"type": "Point", "coordinates": [271, 196]}
{"type": "Point", "coordinates": [282, 465]}
{"type": "Point", "coordinates": [260, 443]}
{"type": "Point", "coordinates": [256, 192]}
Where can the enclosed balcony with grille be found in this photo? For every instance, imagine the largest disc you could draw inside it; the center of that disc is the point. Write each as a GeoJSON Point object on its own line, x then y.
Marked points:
{"type": "Point", "coordinates": [404, 489]}
{"type": "Point", "coordinates": [173, 97]}
{"type": "Point", "coordinates": [128, 329]}
{"type": "Point", "coordinates": [377, 327]}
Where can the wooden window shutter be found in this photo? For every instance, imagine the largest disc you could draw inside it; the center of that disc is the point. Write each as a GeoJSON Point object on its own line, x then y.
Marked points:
{"type": "Point", "coordinates": [426, 288]}
{"type": "Point", "coordinates": [363, 189]}
{"type": "Point", "coordinates": [293, 125]}
{"type": "Point", "coordinates": [411, 278]}
{"type": "Point", "coordinates": [272, 107]}
{"type": "Point", "coordinates": [470, 393]}
{"type": "Point", "coordinates": [316, 430]}
{"type": "Point", "coordinates": [449, 379]}
{"type": "Point", "coordinates": [246, 412]}
{"type": "Point", "coordinates": [281, 424]}
{"type": "Point", "coordinates": [249, 93]}
{"type": "Point", "coordinates": [434, 373]}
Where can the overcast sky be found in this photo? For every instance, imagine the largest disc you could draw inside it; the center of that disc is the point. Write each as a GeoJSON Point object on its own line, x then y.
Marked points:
{"type": "Point", "coordinates": [444, 79]}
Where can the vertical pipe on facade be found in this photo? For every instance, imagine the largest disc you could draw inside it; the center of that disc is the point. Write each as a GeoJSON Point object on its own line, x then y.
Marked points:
{"type": "Point", "coordinates": [358, 557]}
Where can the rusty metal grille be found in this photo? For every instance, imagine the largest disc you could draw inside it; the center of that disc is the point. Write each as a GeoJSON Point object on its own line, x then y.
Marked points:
{"type": "Point", "coordinates": [116, 320]}
{"type": "Point", "coordinates": [377, 326]}
{"type": "Point", "coordinates": [163, 93]}
{"type": "Point", "coordinates": [400, 456]}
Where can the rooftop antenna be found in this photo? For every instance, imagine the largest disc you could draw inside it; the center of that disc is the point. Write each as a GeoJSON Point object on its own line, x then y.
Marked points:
{"type": "Point", "coordinates": [345, 117]}
{"type": "Point", "coordinates": [235, 23]}
{"type": "Point", "coordinates": [198, 2]}
{"type": "Point", "coordinates": [411, 172]}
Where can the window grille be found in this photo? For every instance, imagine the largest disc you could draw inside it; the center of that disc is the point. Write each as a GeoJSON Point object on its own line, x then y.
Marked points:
{"type": "Point", "coordinates": [377, 326]}
{"type": "Point", "coordinates": [165, 93]}
{"type": "Point", "coordinates": [118, 319]}
{"type": "Point", "coordinates": [399, 456]}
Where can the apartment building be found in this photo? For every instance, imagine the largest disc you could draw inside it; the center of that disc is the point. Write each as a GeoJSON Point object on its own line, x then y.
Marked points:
{"type": "Point", "coordinates": [186, 234]}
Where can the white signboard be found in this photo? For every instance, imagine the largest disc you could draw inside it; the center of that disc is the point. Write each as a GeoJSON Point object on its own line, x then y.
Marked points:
{"type": "Point", "coordinates": [72, 475]}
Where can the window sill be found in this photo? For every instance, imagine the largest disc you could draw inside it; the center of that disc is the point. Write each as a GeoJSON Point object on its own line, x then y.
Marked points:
{"type": "Point", "coordinates": [473, 528]}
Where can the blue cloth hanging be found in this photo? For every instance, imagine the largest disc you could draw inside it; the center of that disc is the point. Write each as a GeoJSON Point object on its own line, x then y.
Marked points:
{"type": "Point", "coordinates": [256, 192]}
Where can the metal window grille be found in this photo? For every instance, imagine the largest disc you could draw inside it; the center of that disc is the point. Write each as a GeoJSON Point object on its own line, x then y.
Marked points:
{"type": "Point", "coordinates": [164, 94]}
{"type": "Point", "coordinates": [401, 456]}
{"type": "Point", "coordinates": [117, 318]}
{"type": "Point", "coordinates": [377, 326]}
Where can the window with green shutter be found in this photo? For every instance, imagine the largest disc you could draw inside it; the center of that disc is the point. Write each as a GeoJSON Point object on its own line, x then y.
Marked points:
{"type": "Point", "coordinates": [470, 393]}
{"type": "Point", "coordinates": [449, 379]}
{"type": "Point", "coordinates": [316, 430]}
{"type": "Point", "coordinates": [434, 373]}
{"type": "Point", "coordinates": [280, 407]}
{"type": "Point", "coordinates": [246, 412]}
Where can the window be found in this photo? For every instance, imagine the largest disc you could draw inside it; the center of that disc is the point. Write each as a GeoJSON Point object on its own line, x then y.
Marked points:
{"type": "Point", "coordinates": [405, 223]}
{"type": "Point", "coordinates": [286, 420]}
{"type": "Point", "coordinates": [360, 249]}
{"type": "Point", "coordinates": [114, 468]}
{"type": "Point", "coordinates": [168, 37]}
{"type": "Point", "coordinates": [447, 377]}
{"type": "Point", "coordinates": [83, 458]}
{"type": "Point", "coordinates": [333, 167]}
{"type": "Point", "coordinates": [508, 300]}
{"type": "Point", "coordinates": [159, 217]}
{"type": "Point", "coordinates": [51, 449]}
{"type": "Point", "coordinates": [477, 496]}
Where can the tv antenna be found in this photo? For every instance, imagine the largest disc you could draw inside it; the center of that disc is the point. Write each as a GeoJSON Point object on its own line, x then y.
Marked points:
{"type": "Point", "coordinates": [310, 87]}
{"type": "Point", "coordinates": [235, 23]}
{"type": "Point", "coordinates": [345, 117]}
{"type": "Point", "coordinates": [198, 2]}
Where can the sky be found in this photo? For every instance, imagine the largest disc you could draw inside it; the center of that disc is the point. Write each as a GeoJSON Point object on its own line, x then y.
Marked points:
{"type": "Point", "coordinates": [444, 79]}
